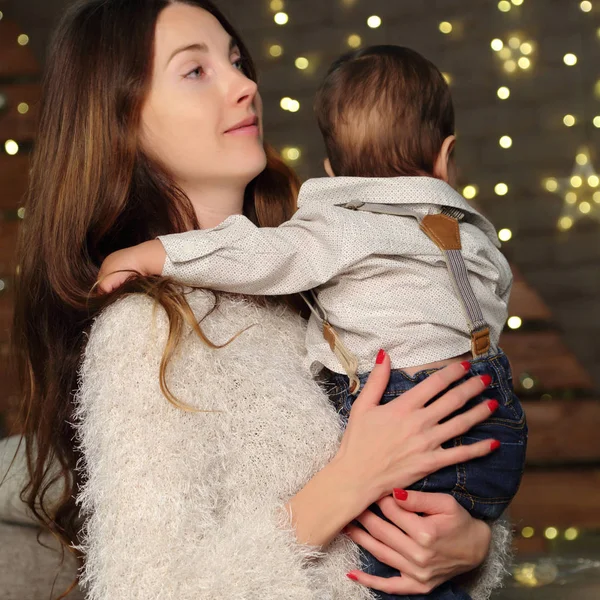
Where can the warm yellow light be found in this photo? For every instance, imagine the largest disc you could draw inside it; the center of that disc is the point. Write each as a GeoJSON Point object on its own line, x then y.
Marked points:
{"type": "Point", "coordinates": [571, 533]}
{"type": "Point", "coordinates": [551, 184]}
{"type": "Point", "coordinates": [514, 322]}
{"type": "Point", "coordinates": [497, 45]}
{"type": "Point", "coordinates": [505, 141]}
{"type": "Point", "coordinates": [576, 181]}
{"type": "Point", "coordinates": [596, 122]}
{"type": "Point", "coordinates": [23, 108]}
{"type": "Point", "coordinates": [23, 40]}
{"type": "Point", "coordinates": [302, 63]}
{"type": "Point", "coordinates": [565, 223]}
{"type": "Point", "coordinates": [528, 532]}
{"type": "Point", "coordinates": [294, 106]}
{"type": "Point", "coordinates": [514, 42]}
{"type": "Point", "coordinates": [447, 77]}
{"type": "Point", "coordinates": [585, 207]}
{"type": "Point", "coordinates": [524, 63]}
{"type": "Point", "coordinates": [517, 2]}
{"type": "Point", "coordinates": [586, 6]}
{"type": "Point", "coordinates": [11, 147]}
{"type": "Point", "coordinates": [501, 189]}
{"type": "Point", "coordinates": [550, 533]}
{"type": "Point", "coordinates": [275, 50]}
{"type": "Point", "coordinates": [528, 383]}
{"type": "Point", "coordinates": [571, 197]}
{"type": "Point", "coordinates": [21, 212]}
{"type": "Point", "coordinates": [581, 159]}
{"type": "Point", "coordinates": [569, 120]}
{"type": "Point", "coordinates": [354, 41]}
{"type": "Point", "coordinates": [526, 48]}
{"type": "Point", "coordinates": [593, 181]}
{"type": "Point", "coordinates": [504, 235]}
{"type": "Point", "coordinates": [445, 27]}
{"type": "Point", "coordinates": [1, 15]}
{"type": "Point", "coordinates": [276, 5]}
{"type": "Point", "coordinates": [570, 59]}
{"type": "Point", "coordinates": [470, 191]}
{"type": "Point", "coordinates": [510, 66]}
{"type": "Point", "coordinates": [505, 53]}
{"type": "Point", "coordinates": [504, 6]}
{"type": "Point", "coordinates": [596, 197]}
{"type": "Point", "coordinates": [285, 103]}
{"type": "Point", "coordinates": [374, 22]}
{"type": "Point", "coordinates": [291, 153]}
{"type": "Point", "coordinates": [597, 86]}
{"type": "Point", "coordinates": [503, 93]}
{"type": "Point", "coordinates": [281, 18]}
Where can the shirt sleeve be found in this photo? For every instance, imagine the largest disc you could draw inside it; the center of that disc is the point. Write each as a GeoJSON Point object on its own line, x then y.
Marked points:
{"type": "Point", "coordinates": [157, 526]}
{"type": "Point", "coordinates": [237, 256]}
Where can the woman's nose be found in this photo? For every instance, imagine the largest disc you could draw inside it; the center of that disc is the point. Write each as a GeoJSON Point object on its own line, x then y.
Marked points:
{"type": "Point", "coordinates": [243, 89]}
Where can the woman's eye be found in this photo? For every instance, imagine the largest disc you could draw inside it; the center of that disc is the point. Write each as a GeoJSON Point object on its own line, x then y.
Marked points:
{"type": "Point", "coordinates": [196, 73]}
{"type": "Point", "coordinates": [239, 64]}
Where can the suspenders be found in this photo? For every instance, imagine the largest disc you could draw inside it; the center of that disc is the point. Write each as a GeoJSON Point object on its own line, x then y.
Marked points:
{"type": "Point", "coordinates": [443, 230]}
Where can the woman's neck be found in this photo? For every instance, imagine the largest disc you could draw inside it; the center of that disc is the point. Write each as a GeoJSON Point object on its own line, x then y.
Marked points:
{"type": "Point", "coordinates": [213, 205]}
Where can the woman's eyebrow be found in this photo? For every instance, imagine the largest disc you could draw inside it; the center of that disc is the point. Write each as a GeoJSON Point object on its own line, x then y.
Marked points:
{"type": "Point", "coordinates": [201, 48]}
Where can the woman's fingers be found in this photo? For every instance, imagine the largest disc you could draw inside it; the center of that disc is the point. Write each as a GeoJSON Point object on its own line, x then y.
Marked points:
{"type": "Point", "coordinates": [403, 586]}
{"type": "Point", "coordinates": [379, 550]}
{"type": "Point", "coordinates": [434, 385]}
{"type": "Point", "coordinates": [454, 399]}
{"type": "Point", "coordinates": [461, 423]}
{"type": "Point", "coordinates": [373, 389]}
{"type": "Point", "coordinates": [451, 456]}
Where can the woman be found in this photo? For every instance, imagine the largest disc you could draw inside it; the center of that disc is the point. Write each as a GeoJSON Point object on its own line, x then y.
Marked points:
{"type": "Point", "coordinates": [238, 487]}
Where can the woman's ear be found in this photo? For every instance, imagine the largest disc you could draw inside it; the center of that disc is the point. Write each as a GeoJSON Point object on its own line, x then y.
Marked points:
{"type": "Point", "coordinates": [442, 166]}
{"type": "Point", "coordinates": [328, 168]}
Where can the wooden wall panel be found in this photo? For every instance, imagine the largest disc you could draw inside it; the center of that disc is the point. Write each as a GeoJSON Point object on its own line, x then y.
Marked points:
{"type": "Point", "coordinates": [13, 124]}
{"type": "Point", "coordinates": [14, 172]}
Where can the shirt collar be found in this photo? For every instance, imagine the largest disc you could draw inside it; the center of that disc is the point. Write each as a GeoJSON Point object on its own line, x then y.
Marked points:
{"type": "Point", "coordinates": [392, 190]}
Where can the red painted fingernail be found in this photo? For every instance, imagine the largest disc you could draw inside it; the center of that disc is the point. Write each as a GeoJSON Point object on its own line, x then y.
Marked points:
{"type": "Point", "coordinates": [466, 365]}
{"type": "Point", "coordinates": [486, 380]}
{"type": "Point", "coordinates": [400, 494]}
{"type": "Point", "coordinates": [493, 405]}
{"type": "Point", "coordinates": [495, 445]}
{"type": "Point", "coordinates": [380, 357]}
{"type": "Point", "coordinates": [352, 576]}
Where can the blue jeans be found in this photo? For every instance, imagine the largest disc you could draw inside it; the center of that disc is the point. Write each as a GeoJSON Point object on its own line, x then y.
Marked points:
{"type": "Point", "coordinates": [483, 486]}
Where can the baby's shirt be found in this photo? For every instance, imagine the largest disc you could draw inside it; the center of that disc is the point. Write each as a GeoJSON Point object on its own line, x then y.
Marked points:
{"type": "Point", "coordinates": [382, 282]}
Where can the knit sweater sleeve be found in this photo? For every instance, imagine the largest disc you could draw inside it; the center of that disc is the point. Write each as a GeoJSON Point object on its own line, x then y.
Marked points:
{"type": "Point", "coordinates": [156, 524]}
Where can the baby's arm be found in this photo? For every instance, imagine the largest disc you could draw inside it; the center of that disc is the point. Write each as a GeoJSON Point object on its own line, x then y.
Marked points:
{"type": "Point", "coordinates": [237, 256]}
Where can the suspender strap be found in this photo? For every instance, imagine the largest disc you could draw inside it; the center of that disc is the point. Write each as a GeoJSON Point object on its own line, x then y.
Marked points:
{"type": "Point", "coordinates": [346, 358]}
{"type": "Point", "coordinates": [443, 230]}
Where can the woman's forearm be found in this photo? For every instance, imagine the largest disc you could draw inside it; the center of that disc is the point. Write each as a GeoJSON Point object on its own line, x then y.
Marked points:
{"type": "Point", "coordinates": [326, 504]}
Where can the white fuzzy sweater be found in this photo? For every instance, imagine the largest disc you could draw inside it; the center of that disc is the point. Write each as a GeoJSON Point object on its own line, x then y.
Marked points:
{"type": "Point", "coordinates": [188, 506]}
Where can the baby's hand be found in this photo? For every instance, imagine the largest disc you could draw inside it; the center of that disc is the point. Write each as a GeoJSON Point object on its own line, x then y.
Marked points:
{"type": "Point", "coordinates": [144, 259]}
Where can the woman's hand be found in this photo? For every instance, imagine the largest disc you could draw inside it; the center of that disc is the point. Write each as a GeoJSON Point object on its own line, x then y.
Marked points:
{"type": "Point", "coordinates": [428, 550]}
{"type": "Point", "coordinates": [144, 259]}
{"type": "Point", "coordinates": [397, 444]}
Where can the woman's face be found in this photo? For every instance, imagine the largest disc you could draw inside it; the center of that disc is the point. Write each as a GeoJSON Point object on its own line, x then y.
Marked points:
{"type": "Point", "coordinates": [203, 117]}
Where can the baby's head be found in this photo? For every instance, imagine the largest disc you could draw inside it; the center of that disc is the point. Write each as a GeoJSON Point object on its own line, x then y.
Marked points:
{"type": "Point", "coordinates": [385, 111]}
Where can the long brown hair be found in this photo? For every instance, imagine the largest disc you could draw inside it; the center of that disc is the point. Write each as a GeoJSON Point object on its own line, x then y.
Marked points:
{"type": "Point", "coordinates": [93, 191]}
{"type": "Point", "coordinates": [384, 111]}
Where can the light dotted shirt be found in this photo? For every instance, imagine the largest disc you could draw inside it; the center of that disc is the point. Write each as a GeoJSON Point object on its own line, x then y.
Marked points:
{"type": "Point", "coordinates": [381, 280]}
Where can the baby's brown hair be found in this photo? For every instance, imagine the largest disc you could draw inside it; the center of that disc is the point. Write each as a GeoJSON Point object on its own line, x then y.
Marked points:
{"type": "Point", "coordinates": [384, 111]}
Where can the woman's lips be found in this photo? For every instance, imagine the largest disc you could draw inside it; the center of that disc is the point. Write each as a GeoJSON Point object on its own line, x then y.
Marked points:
{"type": "Point", "coordinates": [246, 130]}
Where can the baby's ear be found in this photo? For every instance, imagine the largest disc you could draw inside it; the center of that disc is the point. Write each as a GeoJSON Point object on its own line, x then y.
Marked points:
{"type": "Point", "coordinates": [443, 162]}
{"type": "Point", "coordinates": [328, 168]}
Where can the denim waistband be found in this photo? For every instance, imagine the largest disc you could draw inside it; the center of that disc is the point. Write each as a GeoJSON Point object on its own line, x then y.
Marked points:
{"type": "Point", "coordinates": [496, 365]}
